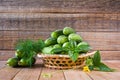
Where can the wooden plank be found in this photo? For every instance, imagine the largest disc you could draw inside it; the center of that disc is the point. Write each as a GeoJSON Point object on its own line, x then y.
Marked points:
{"type": "Point", "coordinates": [49, 22]}
{"type": "Point", "coordinates": [107, 75]}
{"type": "Point", "coordinates": [56, 74]}
{"type": "Point", "coordinates": [2, 64]}
{"type": "Point", "coordinates": [76, 75]}
{"type": "Point", "coordinates": [105, 55]}
{"type": "Point", "coordinates": [28, 74]}
{"type": "Point", "coordinates": [59, 6]}
{"type": "Point", "coordinates": [102, 40]}
{"type": "Point", "coordinates": [113, 64]}
{"type": "Point", "coordinates": [4, 55]}
{"type": "Point", "coordinates": [106, 41]}
{"type": "Point", "coordinates": [110, 55]}
{"type": "Point", "coordinates": [8, 73]}
{"type": "Point", "coordinates": [104, 75]}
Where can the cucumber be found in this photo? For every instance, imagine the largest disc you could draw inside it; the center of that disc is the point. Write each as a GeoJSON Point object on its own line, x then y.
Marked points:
{"type": "Point", "coordinates": [84, 47]}
{"type": "Point", "coordinates": [82, 43]}
{"type": "Point", "coordinates": [68, 30]}
{"type": "Point", "coordinates": [66, 44]}
{"type": "Point", "coordinates": [75, 37]}
{"type": "Point", "coordinates": [25, 62]}
{"type": "Point", "coordinates": [13, 62]}
{"type": "Point", "coordinates": [47, 50]}
{"type": "Point", "coordinates": [62, 39]}
{"type": "Point", "coordinates": [50, 41]}
{"type": "Point", "coordinates": [56, 33]}
{"type": "Point", "coordinates": [57, 46]}
{"type": "Point", "coordinates": [19, 54]}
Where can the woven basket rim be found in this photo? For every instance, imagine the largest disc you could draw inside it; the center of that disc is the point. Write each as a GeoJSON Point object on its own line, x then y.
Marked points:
{"type": "Point", "coordinates": [67, 56]}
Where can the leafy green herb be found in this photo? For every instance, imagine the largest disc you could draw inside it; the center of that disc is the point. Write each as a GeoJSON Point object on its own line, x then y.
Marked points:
{"type": "Point", "coordinates": [89, 62]}
{"type": "Point", "coordinates": [73, 56]}
{"type": "Point", "coordinates": [94, 63]}
{"type": "Point", "coordinates": [72, 50]}
{"type": "Point", "coordinates": [47, 50]}
{"type": "Point", "coordinates": [28, 49]}
{"type": "Point", "coordinates": [58, 50]}
{"type": "Point", "coordinates": [96, 59]}
{"type": "Point", "coordinates": [103, 67]}
{"type": "Point", "coordinates": [38, 45]}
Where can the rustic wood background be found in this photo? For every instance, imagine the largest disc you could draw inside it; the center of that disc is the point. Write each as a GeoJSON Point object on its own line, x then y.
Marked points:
{"type": "Point", "coordinates": [97, 21]}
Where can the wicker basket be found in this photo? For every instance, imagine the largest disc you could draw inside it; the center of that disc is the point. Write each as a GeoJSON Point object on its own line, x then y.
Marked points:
{"type": "Point", "coordinates": [64, 61]}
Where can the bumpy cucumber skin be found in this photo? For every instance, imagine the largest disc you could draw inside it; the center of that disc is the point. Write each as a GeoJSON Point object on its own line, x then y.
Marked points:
{"type": "Point", "coordinates": [66, 44]}
{"type": "Point", "coordinates": [13, 62]}
{"type": "Point", "coordinates": [75, 37]}
{"type": "Point", "coordinates": [57, 46]}
{"type": "Point", "coordinates": [84, 44]}
{"type": "Point", "coordinates": [47, 50]}
{"type": "Point", "coordinates": [56, 33]}
{"type": "Point", "coordinates": [62, 39]}
{"type": "Point", "coordinates": [68, 30]}
{"type": "Point", "coordinates": [50, 41]}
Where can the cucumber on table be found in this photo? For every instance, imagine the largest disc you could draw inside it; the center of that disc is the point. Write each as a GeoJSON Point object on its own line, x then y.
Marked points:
{"type": "Point", "coordinates": [13, 62]}
{"type": "Point", "coordinates": [24, 62]}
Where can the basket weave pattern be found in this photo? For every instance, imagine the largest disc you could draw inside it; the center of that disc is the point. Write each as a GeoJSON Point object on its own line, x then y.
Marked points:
{"type": "Point", "coordinates": [64, 61]}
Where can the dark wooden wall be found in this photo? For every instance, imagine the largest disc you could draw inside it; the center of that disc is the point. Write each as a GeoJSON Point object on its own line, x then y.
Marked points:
{"type": "Point", "coordinates": [97, 21]}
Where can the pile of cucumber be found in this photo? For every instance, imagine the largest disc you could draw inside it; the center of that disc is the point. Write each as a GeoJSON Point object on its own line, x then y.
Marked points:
{"type": "Point", "coordinates": [20, 61]}
{"type": "Point", "coordinates": [26, 51]}
{"type": "Point", "coordinates": [60, 39]}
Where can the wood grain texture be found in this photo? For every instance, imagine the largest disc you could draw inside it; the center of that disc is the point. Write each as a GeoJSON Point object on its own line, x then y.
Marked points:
{"type": "Point", "coordinates": [28, 74]}
{"type": "Point", "coordinates": [69, 75]}
{"type": "Point", "coordinates": [2, 64]}
{"type": "Point", "coordinates": [102, 40]}
{"type": "Point", "coordinates": [35, 73]}
{"type": "Point", "coordinates": [97, 40]}
{"type": "Point", "coordinates": [55, 74]}
{"type": "Point", "coordinates": [8, 73]}
{"type": "Point", "coordinates": [49, 22]}
{"type": "Point", "coordinates": [114, 64]}
{"type": "Point", "coordinates": [16, 26]}
{"type": "Point", "coordinates": [97, 21]}
{"type": "Point", "coordinates": [5, 55]}
{"type": "Point", "coordinates": [105, 76]}
{"type": "Point", "coordinates": [60, 6]}
{"type": "Point", "coordinates": [105, 55]}
{"type": "Point", "coordinates": [109, 75]}
{"type": "Point", "coordinates": [110, 55]}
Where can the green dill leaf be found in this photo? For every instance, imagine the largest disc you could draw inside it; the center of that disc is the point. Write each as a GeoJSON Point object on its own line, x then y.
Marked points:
{"type": "Point", "coordinates": [38, 45]}
{"type": "Point", "coordinates": [29, 48]}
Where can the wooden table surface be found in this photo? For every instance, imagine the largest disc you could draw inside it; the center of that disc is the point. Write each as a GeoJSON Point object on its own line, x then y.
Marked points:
{"type": "Point", "coordinates": [35, 73]}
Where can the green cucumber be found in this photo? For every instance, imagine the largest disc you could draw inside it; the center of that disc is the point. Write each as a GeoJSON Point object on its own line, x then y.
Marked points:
{"type": "Point", "coordinates": [56, 33]}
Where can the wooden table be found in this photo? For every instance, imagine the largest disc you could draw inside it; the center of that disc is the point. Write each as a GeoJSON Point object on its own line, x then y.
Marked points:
{"type": "Point", "coordinates": [35, 73]}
